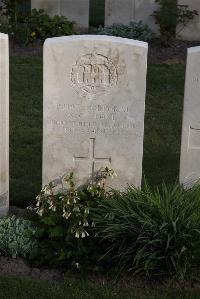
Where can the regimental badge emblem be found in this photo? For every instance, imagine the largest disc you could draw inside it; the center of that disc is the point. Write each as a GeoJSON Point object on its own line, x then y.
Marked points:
{"type": "Point", "coordinates": [93, 74]}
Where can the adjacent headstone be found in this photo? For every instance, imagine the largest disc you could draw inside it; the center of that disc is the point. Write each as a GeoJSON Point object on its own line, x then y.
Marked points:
{"type": "Point", "coordinates": [192, 30]}
{"type": "Point", "coordinates": [74, 10]}
{"type": "Point", "coordinates": [118, 11]}
{"type": "Point", "coordinates": [190, 150]}
{"type": "Point", "coordinates": [52, 7]}
{"type": "Point", "coordinates": [4, 125]}
{"type": "Point", "coordinates": [94, 103]}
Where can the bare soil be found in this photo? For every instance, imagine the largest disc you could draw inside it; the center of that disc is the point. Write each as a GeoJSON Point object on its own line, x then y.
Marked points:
{"type": "Point", "coordinates": [175, 52]}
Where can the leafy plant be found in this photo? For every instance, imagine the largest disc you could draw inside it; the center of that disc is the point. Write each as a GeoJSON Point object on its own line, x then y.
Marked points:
{"type": "Point", "coordinates": [14, 10]}
{"type": "Point", "coordinates": [17, 237]}
{"type": "Point", "coordinates": [43, 26]}
{"type": "Point", "coordinates": [152, 231]}
{"type": "Point", "coordinates": [66, 226]}
{"type": "Point", "coordinates": [135, 30]}
{"type": "Point", "coordinates": [169, 15]}
{"type": "Point", "coordinates": [25, 27]}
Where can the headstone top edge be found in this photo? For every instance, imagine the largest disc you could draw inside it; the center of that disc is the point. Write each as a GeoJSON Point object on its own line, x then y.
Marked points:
{"type": "Point", "coordinates": [105, 38]}
{"type": "Point", "coordinates": [193, 50]}
{"type": "Point", "coordinates": [3, 36]}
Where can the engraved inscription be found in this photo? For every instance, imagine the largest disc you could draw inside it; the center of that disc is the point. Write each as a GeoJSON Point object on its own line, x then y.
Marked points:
{"type": "Point", "coordinates": [196, 79]}
{"type": "Point", "coordinates": [92, 160]}
{"type": "Point", "coordinates": [194, 138]}
{"type": "Point", "coordinates": [98, 119]}
{"type": "Point", "coordinates": [93, 74]}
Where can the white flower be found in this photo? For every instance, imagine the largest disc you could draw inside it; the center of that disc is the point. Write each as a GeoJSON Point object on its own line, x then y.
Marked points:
{"type": "Point", "coordinates": [77, 235]}
{"type": "Point", "coordinates": [87, 211]}
{"type": "Point", "coordinates": [85, 223]}
{"type": "Point", "coordinates": [84, 234]}
{"type": "Point", "coordinates": [40, 212]}
{"type": "Point", "coordinates": [66, 215]}
{"type": "Point", "coordinates": [47, 190]}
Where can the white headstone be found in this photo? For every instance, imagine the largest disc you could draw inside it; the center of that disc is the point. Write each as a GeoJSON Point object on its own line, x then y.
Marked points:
{"type": "Point", "coordinates": [192, 30]}
{"type": "Point", "coordinates": [190, 150]}
{"type": "Point", "coordinates": [118, 11]}
{"type": "Point", "coordinates": [94, 103]}
{"type": "Point", "coordinates": [125, 11]}
{"type": "Point", "coordinates": [52, 7]}
{"type": "Point", "coordinates": [77, 11]}
{"type": "Point", "coordinates": [74, 10]}
{"type": "Point", "coordinates": [4, 125]}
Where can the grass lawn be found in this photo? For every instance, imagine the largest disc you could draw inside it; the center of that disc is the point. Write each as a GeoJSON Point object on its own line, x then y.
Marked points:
{"type": "Point", "coordinates": [23, 288]}
{"type": "Point", "coordinates": [165, 87]}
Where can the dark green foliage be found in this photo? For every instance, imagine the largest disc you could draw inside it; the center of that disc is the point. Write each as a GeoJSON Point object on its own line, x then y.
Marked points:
{"type": "Point", "coordinates": [66, 233]}
{"type": "Point", "coordinates": [43, 26]}
{"type": "Point", "coordinates": [26, 27]}
{"type": "Point", "coordinates": [16, 10]}
{"type": "Point", "coordinates": [17, 237]}
{"type": "Point", "coordinates": [135, 30]}
{"type": "Point", "coordinates": [170, 15]}
{"type": "Point", "coordinates": [153, 231]}
{"type": "Point", "coordinates": [17, 15]}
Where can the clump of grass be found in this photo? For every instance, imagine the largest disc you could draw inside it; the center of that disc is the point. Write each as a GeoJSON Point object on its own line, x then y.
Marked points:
{"type": "Point", "coordinates": [152, 231]}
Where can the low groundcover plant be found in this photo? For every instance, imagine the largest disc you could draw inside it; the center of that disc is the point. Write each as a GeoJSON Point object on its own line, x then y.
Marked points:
{"type": "Point", "coordinates": [135, 30]}
{"type": "Point", "coordinates": [17, 237]}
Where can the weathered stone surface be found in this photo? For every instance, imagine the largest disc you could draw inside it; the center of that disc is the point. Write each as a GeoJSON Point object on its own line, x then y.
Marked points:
{"type": "Point", "coordinates": [118, 11]}
{"type": "Point", "coordinates": [77, 11]}
{"type": "Point", "coordinates": [4, 125]}
{"type": "Point", "coordinates": [192, 30]}
{"type": "Point", "coordinates": [52, 7]}
{"type": "Point", "coordinates": [94, 102]}
{"type": "Point", "coordinates": [190, 149]}
{"type": "Point", "coordinates": [74, 10]}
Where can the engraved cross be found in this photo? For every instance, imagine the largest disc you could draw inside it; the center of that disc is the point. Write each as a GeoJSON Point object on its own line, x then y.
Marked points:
{"type": "Point", "coordinates": [92, 159]}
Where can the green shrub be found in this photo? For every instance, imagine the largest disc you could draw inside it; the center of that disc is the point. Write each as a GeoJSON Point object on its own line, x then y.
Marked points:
{"type": "Point", "coordinates": [17, 237]}
{"type": "Point", "coordinates": [43, 26]}
{"type": "Point", "coordinates": [152, 231]}
{"type": "Point", "coordinates": [169, 15]}
{"type": "Point", "coordinates": [135, 30]}
{"type": "Point", "coordinates": [65, 225]}
{"type": "Point", "coordinates": [26, 28]}
{"type": "Point", "coordinates": [15, 17]}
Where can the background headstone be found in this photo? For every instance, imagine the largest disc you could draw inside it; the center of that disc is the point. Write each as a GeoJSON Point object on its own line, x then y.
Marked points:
{"type": "Point", "coordinates": [94, 103]}
{"type": "Point", "coordinates": [118, 11]}
{"type": "Point", "coordinates": [4, 125]}
{"type": "Point", "coordinates": [190, 149]}
{"type": "Point", "coordinates": [52, 7]}
{"type": "Point", "coordinates": [192, 30]}
{"type": "Point", "coordinates": [74, 10]}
